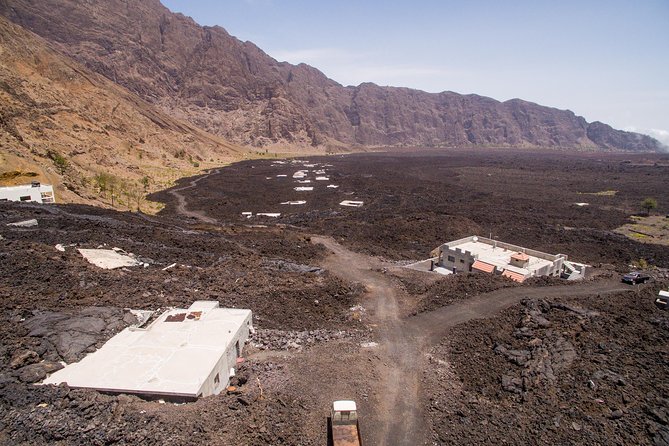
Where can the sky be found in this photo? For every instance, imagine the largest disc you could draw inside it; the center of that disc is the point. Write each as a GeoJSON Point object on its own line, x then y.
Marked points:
{"type": "Point", "coordinates": [605, 60]}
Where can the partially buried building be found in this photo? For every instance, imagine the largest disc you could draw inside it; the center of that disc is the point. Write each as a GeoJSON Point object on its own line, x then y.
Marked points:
{"type": "Point", "coordinates": [33, 192]}
{"type": "Point", "coordinates": [182, 355]}
{"type": "Point", "coordinates": [486, 255]}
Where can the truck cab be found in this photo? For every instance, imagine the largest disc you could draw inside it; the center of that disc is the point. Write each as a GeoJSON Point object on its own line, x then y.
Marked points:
{"type": "Point", "coordinates": [344, 428]}
{"type": "Point", "coordinates": [662, 300]}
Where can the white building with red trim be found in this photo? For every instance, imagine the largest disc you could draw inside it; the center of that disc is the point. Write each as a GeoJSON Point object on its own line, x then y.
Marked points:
{"type": "Point", "coordinates": [481, 254]}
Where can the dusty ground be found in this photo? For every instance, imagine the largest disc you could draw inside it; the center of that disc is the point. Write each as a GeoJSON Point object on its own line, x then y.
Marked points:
{"type": "Point", "coordinates": [464, 360]}
{"type": "Point", "coordinates": [648, 229]}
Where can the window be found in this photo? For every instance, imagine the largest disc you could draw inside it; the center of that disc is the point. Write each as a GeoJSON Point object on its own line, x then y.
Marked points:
{"type": "Point", "coordinates": [25, 198]}
{"type": "Point", "coordinates": [462, 260]}
{"type": "Point", "coordinates": [217, 379]}
{"type": "Point", "coordinates": [47, 197]}
{"type": "Point", "coordinates": [451, 259]}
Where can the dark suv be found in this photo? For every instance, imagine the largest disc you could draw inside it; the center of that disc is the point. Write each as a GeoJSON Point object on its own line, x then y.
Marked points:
{"type": "Point", "coordinates": [635, 277]}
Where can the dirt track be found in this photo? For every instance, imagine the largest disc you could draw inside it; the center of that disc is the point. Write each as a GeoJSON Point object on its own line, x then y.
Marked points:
{"type": "Point", "coordinates": [435, 324]}
{"type": "Point", "coordinates": [399, 383]}
{"type": "Point", "coordinates": [182, 205]}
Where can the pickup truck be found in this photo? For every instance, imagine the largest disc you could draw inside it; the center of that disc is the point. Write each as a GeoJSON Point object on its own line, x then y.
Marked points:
{"type": "Point", "coordinates": [343, 427]}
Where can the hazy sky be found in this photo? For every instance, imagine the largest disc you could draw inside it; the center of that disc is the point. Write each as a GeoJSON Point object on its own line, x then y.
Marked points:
{"type": "Point", "coordinates": [605, 60]}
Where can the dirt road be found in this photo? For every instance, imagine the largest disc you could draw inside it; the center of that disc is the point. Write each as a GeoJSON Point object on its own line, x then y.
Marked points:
{"type": "Point", "coordinates": [181, 199]}
{"type": "Point", "coordinates": [435, 324]}
{"type": "Point", "coordinates": [404, 342]}
{"type": "Point", "coordinates": [399, 419]}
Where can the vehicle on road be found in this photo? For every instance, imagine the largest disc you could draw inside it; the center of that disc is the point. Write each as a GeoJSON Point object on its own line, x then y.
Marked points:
{"type": "Point", "coordinates": [662, 300]}
{"type": "Point", "coordinates": [343, 427]}
{"type": "Point", "coordinates": [635, 277]}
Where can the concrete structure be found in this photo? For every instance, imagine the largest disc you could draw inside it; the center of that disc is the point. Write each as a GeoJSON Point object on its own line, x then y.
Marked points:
{"type": "Point", "coordinates": [109, 258]}
{"type": "Point", "coordinates": [35, 192]}
{"type": "Point", "coordinates": [182, 355]}
{"type": "Point", "coordinates": [482, 254]}
{"type": "Point", "coordinates": [25, 223]}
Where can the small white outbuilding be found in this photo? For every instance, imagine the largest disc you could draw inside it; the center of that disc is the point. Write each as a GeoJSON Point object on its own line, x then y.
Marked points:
{"type": "Point", "coordinates": [34, 192]}
{"type": "Point", "coordinates": [183, 355]}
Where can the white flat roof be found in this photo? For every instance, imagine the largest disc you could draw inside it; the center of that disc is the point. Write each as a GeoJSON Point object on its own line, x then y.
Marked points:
{"type": "Point", "coordinates": [344, 406]}
{"type": "Point", "coordinates": [351, 203]}
{"type": "Point", "coordinates": [108, 258]}
{"type": "Point", "coordinates": [22, 187]}
{"type": "Point", "coordinates": [171, 358]}
{"type": "Point", "coordinates": [501, 257]}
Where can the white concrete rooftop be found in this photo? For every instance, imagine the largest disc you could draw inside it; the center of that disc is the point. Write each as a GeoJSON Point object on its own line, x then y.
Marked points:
{"type": "Point", "coordinates": [172, 356]}
{"type": "Point", "coordinates": [501, 257]}
{"type": "Point", "coordinates": [108, 258]}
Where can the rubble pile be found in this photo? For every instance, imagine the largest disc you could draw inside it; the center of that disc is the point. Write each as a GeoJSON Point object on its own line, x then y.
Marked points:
{"type": "Point", "coordinates": [547, 352]}
{"type": "Point", "coordinates": [265, 339]}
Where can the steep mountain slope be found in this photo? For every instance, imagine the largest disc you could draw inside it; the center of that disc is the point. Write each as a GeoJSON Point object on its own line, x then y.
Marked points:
{"type": "Point", "coordinates": [235, 90]}
{"type": "Point", "coordinates": [62, 124]}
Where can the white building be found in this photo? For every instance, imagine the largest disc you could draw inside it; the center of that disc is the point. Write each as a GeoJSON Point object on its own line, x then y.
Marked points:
{"type": "Point", "coordinates": [183, 355]}
{"type": "Point", "coordinates": [35, 192]}
{"type": "Point", "coordinates": [482, 254]}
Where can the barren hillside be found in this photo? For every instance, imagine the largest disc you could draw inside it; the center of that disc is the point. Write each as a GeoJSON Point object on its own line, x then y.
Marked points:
{"type": "Point", "coordinates": [63, 124]}
{"type": "Point", "coordinates": [234, 89]}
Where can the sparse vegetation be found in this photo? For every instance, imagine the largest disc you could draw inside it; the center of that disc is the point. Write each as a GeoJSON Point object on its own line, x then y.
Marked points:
{"type": "Point", "coordinates": [102, 181]}
{"type": "Point", "coordinates": [650, 229]}
{"type": "Point", "coordinates": [59, 161]}
{"type": "Point", "coordinates": [640, 264]}
{"type": "Point", "coordinates": [114, 188]}
{"type": "Point", "coordinates": [648, 204]}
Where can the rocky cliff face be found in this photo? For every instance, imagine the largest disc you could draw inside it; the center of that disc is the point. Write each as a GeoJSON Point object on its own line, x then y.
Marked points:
{"type": "Point", "coordinates": [234, 89]}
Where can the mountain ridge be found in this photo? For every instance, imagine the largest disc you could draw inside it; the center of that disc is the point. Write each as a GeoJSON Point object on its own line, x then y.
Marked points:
{"type": "Point", "coordinates": [233, 89]}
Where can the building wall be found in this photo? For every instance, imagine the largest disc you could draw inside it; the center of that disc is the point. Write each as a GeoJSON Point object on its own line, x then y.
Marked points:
{"type": "Point", "coordinates": [28, 193]}
{"type": "Point", "coordinates": [227, 361]}
{"type": "Point", "coordinates": [455, 258]}
{"type": "Point", "coordinates": [549, 270]}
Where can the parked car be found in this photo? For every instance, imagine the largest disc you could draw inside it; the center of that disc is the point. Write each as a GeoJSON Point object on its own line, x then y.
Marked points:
{"type": "Point", "coordinates": [636, 277]}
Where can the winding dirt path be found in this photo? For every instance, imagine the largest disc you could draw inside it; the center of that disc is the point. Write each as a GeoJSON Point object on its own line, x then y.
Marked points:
{"type": "Point", "coordinates": [435, 324]}
{"type": "Point", "coordinates": [181, 199]}
{"type": "Point", "coordinates": [400, 416]}
{"type": "Point", "coordinates": [403, 343]}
